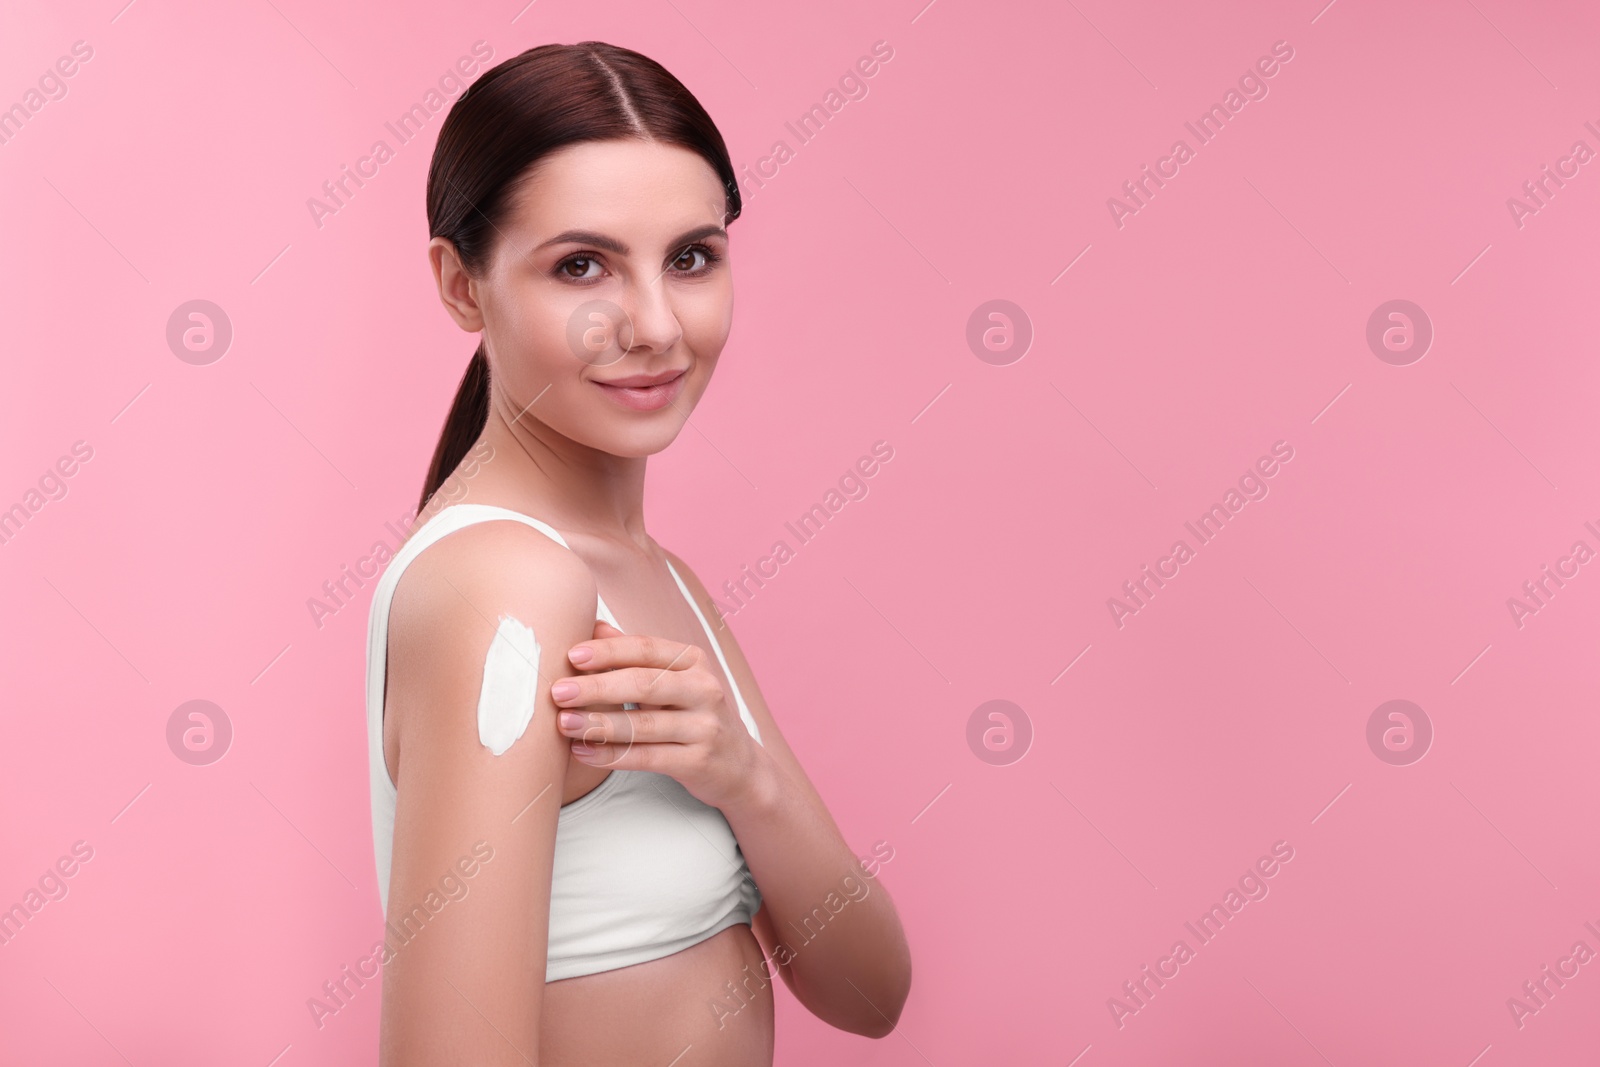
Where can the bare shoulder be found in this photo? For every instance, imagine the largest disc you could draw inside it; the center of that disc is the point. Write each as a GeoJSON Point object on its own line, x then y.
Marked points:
{"type": "Point", "coordinates": [498, 560]}
{"type": "Point", "coordinates": [448, 606]}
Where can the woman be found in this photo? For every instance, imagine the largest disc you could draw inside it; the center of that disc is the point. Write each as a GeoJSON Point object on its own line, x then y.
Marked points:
{"type": "Point", "coordinates": [592, 874]}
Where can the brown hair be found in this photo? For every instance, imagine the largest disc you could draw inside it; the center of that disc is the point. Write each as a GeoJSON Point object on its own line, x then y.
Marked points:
{"type": "Point", "coordinates": [515, 114]}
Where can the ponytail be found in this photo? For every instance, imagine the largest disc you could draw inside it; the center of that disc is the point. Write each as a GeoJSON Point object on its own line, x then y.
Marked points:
{"type": "Point", "coordinates": [462, 427]}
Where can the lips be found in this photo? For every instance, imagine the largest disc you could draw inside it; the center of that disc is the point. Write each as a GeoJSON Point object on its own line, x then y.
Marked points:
{"type": "Point", "coordinates": [655, 392]}
{"type": "Point", "coordinates": [642, 381]}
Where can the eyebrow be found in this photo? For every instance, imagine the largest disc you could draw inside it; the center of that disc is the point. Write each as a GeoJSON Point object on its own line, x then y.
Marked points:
{"type": "Point", "coordinates": [611, 244]}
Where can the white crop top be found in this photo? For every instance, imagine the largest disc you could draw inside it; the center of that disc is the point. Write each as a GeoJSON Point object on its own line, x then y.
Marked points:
{"type": "Point", "coordinates": [643, 868]}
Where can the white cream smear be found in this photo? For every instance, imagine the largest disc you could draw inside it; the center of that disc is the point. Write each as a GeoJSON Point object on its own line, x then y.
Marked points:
{"type": "Point", "coordinates": [510, 677]}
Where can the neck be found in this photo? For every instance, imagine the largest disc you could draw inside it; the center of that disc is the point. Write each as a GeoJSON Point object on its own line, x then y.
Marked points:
{"type": "Point", "coordinates": [572, 486]}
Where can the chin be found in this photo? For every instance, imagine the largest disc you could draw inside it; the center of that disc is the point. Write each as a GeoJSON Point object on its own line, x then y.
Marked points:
{"type": "Point", "coordinates": [607, 433]}
{"type": "Point", "coordinates": [644, 443]}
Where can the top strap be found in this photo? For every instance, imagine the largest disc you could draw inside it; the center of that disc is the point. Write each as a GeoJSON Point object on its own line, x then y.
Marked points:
{"type": "Point", "coordinates": [744, 712]}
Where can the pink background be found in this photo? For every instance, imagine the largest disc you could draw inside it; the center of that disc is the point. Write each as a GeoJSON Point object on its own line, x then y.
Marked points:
{"type": "Point", "coordinates": [1229, 313]}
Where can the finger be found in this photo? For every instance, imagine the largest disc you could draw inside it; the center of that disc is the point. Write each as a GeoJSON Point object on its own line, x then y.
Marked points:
{"type": "Point", "coordinates": [649, 726]}
{"type": "Point", "coordinates": [636, 685]}
{"type": "Point", "coordinates": [663, 758]}
{"type": "Point", "coordinates": [580, 655]}
{"type": "Point", "coordinates": [603, 652]}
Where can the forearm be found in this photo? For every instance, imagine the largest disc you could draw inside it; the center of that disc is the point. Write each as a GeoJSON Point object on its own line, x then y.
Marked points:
{"type": "Point", "coordinates": [840, 942]}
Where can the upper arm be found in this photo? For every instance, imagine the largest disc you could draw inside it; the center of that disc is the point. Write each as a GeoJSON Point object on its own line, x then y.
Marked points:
{"type": "Point", "coordinates": [467, 982]}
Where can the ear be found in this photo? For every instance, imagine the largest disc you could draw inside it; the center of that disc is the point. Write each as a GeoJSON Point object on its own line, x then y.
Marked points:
{"type": "Point", "coordinates": [458, 291]}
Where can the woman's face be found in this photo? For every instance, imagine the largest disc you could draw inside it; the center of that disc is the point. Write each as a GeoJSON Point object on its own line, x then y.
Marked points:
{"type": "Point", "coordinates": [611, 266]}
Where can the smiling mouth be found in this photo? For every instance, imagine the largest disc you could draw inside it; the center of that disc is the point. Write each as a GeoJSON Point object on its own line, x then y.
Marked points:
{"type": "Point", "coordinates": [645, 397]}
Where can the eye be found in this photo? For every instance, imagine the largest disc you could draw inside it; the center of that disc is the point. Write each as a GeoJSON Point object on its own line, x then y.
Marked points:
{"type": "Point", "coordinates": [583, 261]}
{"type": "Point", "coordinates": [710, 257]}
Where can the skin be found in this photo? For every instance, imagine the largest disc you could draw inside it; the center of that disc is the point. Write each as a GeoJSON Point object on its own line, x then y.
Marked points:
{"type": "Point", "coordinates": [470, 988]}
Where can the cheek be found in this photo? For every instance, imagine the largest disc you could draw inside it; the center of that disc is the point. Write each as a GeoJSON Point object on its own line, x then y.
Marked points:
{"type": "Point", "coordinates": [707, 320]}
{"type": "Point", "coordinates": [530, 332]}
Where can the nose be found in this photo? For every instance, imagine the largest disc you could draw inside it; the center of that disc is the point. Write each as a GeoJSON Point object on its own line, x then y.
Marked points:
{"type": "Point", "coordinates": [654, 321]}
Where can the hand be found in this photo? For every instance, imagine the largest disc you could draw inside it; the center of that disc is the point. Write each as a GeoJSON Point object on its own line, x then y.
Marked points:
{"type": "Point", "coordinates": [685, 726]}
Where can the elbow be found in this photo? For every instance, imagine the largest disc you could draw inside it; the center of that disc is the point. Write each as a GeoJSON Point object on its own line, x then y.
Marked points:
{"type": "Point", "coordinates": [876, 1023]}
{"type": "Point", "coordinates": [885, 1004]}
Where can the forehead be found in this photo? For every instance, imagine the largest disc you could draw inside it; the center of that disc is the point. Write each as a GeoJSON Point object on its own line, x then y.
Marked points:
{"type": "Point", "coordinates": [632, 189]}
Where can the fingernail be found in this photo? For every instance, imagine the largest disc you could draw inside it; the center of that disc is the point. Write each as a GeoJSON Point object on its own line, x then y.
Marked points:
{"type": "Point", "coordinates": [580, 749]}
{"type": "Point", "coordinates": [564, 690]}
{"type": "Point", "coordinates": [581, 654]}
{"type": "Point", "coordinates": [570, 720]}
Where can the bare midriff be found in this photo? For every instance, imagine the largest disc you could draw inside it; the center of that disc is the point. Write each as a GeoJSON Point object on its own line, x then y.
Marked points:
{"type": "Point", "coordinates": [677, 1010]}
